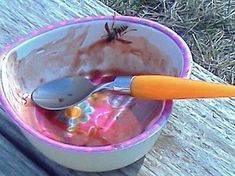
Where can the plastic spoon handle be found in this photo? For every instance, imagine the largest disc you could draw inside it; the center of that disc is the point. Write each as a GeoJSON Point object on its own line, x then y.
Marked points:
{"type": "Point", "coordinates": [167, 87]}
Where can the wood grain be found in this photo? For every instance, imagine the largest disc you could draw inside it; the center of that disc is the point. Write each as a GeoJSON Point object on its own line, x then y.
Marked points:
{"type": "Point", "coordinates": [199, 138]}
{"type": "Point", "coordinates": [11, 132]}
{"type": "Point", "coordinates": [13, 162]}
{"type": "Point", "coordinates": [19, 17]}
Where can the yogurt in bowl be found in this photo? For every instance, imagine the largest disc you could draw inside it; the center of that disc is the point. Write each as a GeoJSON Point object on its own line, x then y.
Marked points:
{"type": "Point", "coordinates": [114, 130]}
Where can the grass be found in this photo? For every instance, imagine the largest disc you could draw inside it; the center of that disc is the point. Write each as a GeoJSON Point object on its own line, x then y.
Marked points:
{"type": "Point", "coordinates": [208, 27]}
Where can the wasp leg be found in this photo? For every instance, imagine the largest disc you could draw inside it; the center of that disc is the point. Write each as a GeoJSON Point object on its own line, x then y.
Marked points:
{"type": "Point", "coordinates": [124, 41]}
{"type": "Point", "coordinates": [104, 36]}
{"type": "Point", "coordinates": [128, 31]}
{"type": "Point", "coordinates": [106, 26]}
{"type": "Point", "coordinates": [114, 19]}
{"type": "Point", "coordinates": [112, 26]}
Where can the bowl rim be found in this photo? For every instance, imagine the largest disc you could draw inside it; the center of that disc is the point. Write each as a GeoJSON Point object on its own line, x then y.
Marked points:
{"type": "Point", "coordinates": [167, 105]}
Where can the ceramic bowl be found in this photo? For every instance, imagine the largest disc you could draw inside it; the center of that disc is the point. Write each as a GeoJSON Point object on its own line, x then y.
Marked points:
{"type": "Point", "coordinates": [93, 47]}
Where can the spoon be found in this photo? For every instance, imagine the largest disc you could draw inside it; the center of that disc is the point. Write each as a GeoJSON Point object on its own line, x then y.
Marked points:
{"type": "Point", "coordinates": [62, 93]}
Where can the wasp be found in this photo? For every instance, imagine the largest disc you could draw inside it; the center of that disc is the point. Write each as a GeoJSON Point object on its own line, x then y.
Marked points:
{"type": "Point", "coordinates": [114, 33]}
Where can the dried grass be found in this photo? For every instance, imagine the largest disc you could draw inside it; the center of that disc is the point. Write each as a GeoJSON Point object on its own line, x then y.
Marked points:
{"type": "Point", "coordinates": [208, 27]}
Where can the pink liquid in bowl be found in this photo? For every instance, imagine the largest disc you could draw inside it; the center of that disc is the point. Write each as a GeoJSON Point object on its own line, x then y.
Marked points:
{"type": "Point", "coordinates": [108, 118]}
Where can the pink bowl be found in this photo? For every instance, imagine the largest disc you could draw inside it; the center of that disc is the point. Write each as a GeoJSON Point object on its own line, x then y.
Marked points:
{"type": "Point", "coordinates": [65, 39]}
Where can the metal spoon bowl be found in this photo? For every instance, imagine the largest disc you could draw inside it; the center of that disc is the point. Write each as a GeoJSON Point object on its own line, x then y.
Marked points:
{"type": "Point", "coordinates": [65, 92]}
{"type": "Point", "coordinates": [62, 93]}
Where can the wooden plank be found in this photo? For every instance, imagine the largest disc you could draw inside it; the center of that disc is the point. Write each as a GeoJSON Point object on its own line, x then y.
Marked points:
{"type": "Point", "coordinates": [13, 162]}
{"type": "Point", "coordinates": [21, 17]}
{"type": "Point", "coordinates": [13, 134]}
{"type": "Point", "coordinates": [198, 140]}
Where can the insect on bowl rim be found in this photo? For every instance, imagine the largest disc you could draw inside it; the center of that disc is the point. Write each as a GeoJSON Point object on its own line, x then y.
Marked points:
{"type": "Point", "coordinates": [187, 59]}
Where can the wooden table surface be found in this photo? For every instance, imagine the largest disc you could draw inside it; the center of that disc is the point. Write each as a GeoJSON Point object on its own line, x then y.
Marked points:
{"type": "Point", "coordinates": [199, 138]}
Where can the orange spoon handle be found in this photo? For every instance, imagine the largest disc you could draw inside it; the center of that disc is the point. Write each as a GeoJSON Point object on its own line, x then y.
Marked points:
{"type": "Point", "coordinates": [167, 87]}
